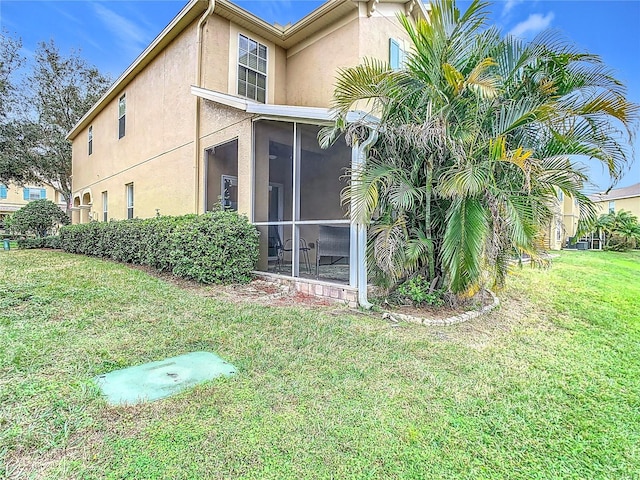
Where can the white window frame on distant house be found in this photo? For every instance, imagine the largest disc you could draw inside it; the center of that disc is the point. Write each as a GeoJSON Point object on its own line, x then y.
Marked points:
{"type": "Point", "coordinates": [122, 115]}
{"type": "Point", "coordinates": [612, 206]}
{"type": "Point", "coordinates": [90, 140]}
{"type": "Point", "coordinates": [105, 206]}
{"type": "Point", "coordinates": [3, 191]}
{"type": "Point", "coordinates": [253, 58]}
{"type": "Point", "coordinates": [129, 194]}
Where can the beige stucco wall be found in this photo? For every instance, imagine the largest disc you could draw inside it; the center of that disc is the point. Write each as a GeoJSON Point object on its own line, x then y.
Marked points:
{"type": "Point", "coordinates": [375, 32]}
{"type": "Point", "coordinates": [156, 153]}
{"type": "Point", "coordinates": [313, 64]}
{"type": "Point", "coordinates": [571, 216]}
{"type": "Point", "coordinates": [215, 54]}
{"type": "Point", "coordinates": [631, 204]}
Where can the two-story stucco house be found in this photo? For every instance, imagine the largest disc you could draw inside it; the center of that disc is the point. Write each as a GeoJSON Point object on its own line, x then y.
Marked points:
{"type": "Point", "coordinates": [624, 198]}
{"type": "Point", "coordinates": [224, 107]}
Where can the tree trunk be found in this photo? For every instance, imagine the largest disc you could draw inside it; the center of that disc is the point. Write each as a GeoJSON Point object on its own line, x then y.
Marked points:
{"type": "Point", "coordinates": [431, 258]}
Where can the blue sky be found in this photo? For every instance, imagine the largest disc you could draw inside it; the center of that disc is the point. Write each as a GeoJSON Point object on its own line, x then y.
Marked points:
{"type": "Point", "coordinates": [111, 33]}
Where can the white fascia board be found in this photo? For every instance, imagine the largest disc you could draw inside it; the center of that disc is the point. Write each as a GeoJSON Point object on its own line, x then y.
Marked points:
{"type": "Point", "coordinates": [290, 111]}
{"type": "Point", "coordinates": [281, 111]}
{"type": "Point", "coordinates": [363, 117]}
{"type": "Point", "coordinates": [219, 97]}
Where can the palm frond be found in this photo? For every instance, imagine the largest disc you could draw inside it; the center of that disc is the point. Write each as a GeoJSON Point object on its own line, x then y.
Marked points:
{"type": "Point", "coordinates": [463, 242]}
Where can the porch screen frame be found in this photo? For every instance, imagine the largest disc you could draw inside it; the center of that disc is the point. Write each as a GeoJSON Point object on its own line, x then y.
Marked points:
{"type": "Point", "coordinates": [295, 222]}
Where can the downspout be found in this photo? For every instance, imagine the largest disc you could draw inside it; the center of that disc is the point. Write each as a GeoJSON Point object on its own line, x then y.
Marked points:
{"type": "Point", "coordinates": [358, 162]}
{"type": "Point", "coordinates": [196, 139]}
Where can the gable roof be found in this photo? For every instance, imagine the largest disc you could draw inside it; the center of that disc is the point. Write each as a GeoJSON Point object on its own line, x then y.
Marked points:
{"type": "Point", "coordinates": [283, 36]}
{"type": "Point", "coordinates": [617, 193]}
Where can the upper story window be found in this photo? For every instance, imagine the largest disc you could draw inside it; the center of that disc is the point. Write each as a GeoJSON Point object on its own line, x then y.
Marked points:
{"type": "Point", "coordinates": [560, 195]}
{"type": "Point", "coordinates": [397, 55]}
{"type": "Point", "coordinates": [90, 142]}
{"type": "Point", "coordinates": [122, 113]}
{"type": "Point", "coordinates": [612, 206]}
{"type": "Point", "coordinates": [3, 191]}
{"type": "Point", "coordinates": [252, 69]}
{"type": "Point", "coordinates": [30, 193]}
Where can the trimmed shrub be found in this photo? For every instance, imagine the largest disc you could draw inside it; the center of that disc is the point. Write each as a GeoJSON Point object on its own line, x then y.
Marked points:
{"type": "Point", "coordinates": [29, 243]}
{"type": "Point", "coordinates": [217, 247]}
{"type": "Point", "coordinates": [158, 242]}
{"type": "Point", "coordinates": [52, 241]}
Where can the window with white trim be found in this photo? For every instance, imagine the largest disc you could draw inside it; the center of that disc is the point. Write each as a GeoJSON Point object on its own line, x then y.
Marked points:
{"type": "Point", "coordinates": [397, 55]}
{"type": "Point", "coordinates": [122, 115]}
{"type": "Point", "coordinates": [105, 206]}
{"type": "Point", "coordinates": [129, 188]}
{"type": "Point", "coordinates": [3, 191]}
{"type": "Point", "coordinates": [252, 69]}
{"type": "Point", "coordinates": [612, 206]}
{"type": "Point", "coordinates": [90, 141]}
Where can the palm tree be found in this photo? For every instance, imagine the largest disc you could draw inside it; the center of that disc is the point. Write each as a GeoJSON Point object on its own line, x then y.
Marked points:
{"type": "Point", "coordinates": [622, 227]}
{"type": "Point", "coordinates": [477, 134]}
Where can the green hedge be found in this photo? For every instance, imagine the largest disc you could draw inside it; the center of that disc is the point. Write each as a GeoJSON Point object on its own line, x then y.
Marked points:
{"type": "Point", "coordinates": [217, 247]}
{"type": "Point", "coordinates": [52, 241]}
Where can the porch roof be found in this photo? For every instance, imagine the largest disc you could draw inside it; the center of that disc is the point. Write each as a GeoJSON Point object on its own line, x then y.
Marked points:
{"type": "Point", "coordinates": [291, 112]}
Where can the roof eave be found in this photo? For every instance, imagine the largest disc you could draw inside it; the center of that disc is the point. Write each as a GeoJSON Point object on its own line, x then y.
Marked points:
{"type": "Point", "coordinates": [187, 15]}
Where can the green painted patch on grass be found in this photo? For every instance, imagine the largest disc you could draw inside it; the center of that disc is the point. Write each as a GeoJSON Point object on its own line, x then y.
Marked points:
{"type": "Point", "coordinates": [161, 379]}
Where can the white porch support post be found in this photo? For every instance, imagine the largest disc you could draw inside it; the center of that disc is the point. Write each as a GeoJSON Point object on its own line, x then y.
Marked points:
{"type": "Point", "coordinates": [359, 230]}
{"type": "Point", "coordinates": [295, 235]}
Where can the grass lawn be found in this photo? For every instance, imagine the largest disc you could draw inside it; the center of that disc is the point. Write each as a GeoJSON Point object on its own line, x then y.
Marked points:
{"type": "Point", "coordinates": [546, 387]}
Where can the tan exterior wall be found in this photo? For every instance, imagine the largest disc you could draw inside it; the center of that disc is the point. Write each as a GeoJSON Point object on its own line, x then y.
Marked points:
{"type": "Point", "coordinates": [156, 153]}
{"type": "Point", "coordinates": [571, 215]}
{"type": "Point", "coordinates": [312, 65]}
{"type": "Point", "coordinates": [631, 204]}
{"type": "Point", "coordinates": [375, 32]}
{"type": "Point", "coordinates": [215, 54]}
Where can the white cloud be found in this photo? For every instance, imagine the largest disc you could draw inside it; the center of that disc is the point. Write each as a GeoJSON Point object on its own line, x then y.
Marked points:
{"type": "Point", "coordinates": [508, 6]}
{"type": "Point", "coordinates": [128, 34]}
{"type": "Point", "coordinates": [532, 25]}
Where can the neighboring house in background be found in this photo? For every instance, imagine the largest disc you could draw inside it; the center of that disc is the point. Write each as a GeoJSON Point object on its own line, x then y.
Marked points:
{"type": "Point", "coordinates": [625, 198]}
{"type": "Point", "coordinates": [563, 225]}
{"type": "Point", "coordinates": [14, 197]}
{"type": "Point", "coordinates": [570, 217]}
{"type": "Point", "coordinates": [224, 107]}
